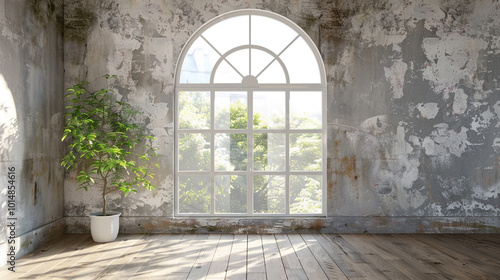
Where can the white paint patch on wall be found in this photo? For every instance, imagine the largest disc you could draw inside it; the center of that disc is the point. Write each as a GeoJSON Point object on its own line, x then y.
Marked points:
{"type": "Point", "coordinates": [408, 164]}
{"type": "Point", "coordinates": [380, 27]}
{"type": "Point", "coordinates": [152, 202]}
{"type": "Point", "coordinates": [396, 77]}
{"type": "Point", "coordinates": [443, 142]}
{"type": "Point", "coordinates": [496, 145]}
{"type": "Point", "coordinates": [492, 192]}
{"type": "Point", "coordinates": [401, 147]}
{"type": "Point", "coordinates": [162, 49]}
{"type": "Point", "coordinates": [482, 121]}
{"type": "Point", "coordinates": [496, 109]}
{"type": "Point", "coordinates": [411, 199]}
{"type": "Point", "coordinates": [119, 59]}
{"type": "Point", "coordinates": [484, 19]}
{"type": "Point", "coordinates": [471, 208]}
{"type": "Point", "coordinates": [428, 110]}
{"type": "Point", "coordinates": [452, 59]}
{"type": "Point", "coordinates": [459, 102]}
{"type": "Point", "coordinates": [428, 10]}
{"type": "Point", "coordinates": [435, 210]}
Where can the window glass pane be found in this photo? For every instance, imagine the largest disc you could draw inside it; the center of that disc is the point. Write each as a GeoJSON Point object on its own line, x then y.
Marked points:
{"type": "Point", "coordinates": [194, 110]}
{"type": "Point", "coordinates": [274, 74]}
{"type": "Point", "coordinates": [269, 110]}
{"type": "Point", "coordinates": [271, 33]}
{"type": "Point", "coordinates": [194, 151]}
{"type": "Point", "coordinates": [227, 74]}
{"type": "Point", "coordinates": [231, 194]}
{"type": "Point", "coordinates": [228, 34]}
{"type": "Point", "coordinates": [240, 60]}
{"type": "Point", "coordinates": [269, 194]}
{"type": "Point", "coordinates": [198, 63]}
{"type": "Point", "coordinates": [301, 63]}
{"type": "Point", "coordinates": [305, 151]}
{"type": "Point", "coordinates": [231, 151]}
{"type": "Point", "coordinates": [194, 194]}
{"type": "Point", "coordinates": [305, 194]}
{"type": "Point", "coordinates": [230, 110]}
{"type": "Point", "coordinates": [260, 60]}
{"type": "Point", "coordinates": [305, 110]}
{"type": "Point", "coordinates": [269, 151]}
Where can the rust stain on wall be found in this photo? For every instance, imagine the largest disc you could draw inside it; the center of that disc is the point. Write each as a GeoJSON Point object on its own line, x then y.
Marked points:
{"type": "Point", "coordinates": [348, 168]}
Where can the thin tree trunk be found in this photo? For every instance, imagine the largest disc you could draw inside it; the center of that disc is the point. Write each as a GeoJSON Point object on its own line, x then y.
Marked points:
{"type": "Point", "coordinates": [104, 197]}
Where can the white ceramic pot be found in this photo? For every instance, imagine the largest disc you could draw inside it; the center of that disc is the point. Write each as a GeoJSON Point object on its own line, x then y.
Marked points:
{"type": "Point", "coordinates": [104, 228]}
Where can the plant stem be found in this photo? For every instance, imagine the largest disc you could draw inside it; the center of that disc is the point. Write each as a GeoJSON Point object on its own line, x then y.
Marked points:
{"type": "Point", "coordinates": [104, 196]}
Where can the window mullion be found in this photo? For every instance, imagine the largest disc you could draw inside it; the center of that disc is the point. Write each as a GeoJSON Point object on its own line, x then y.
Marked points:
{"type": "Point", "coordinates": [287, 152]}
{"type": "Point", "coordinates": [250, 45]}
{"type": "Point", "coordinates": [176, 154]}
{"type": "Point", "coordinates": [250, 202]}
{"type": "Point", "coordinates": [212, 152]}
{"type": "Point", "coordinates": [278, 55]}
{"type": "Point", "coordinates": [221, 55]}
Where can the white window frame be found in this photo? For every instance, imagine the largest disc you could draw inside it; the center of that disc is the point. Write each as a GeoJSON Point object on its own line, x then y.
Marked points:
{"type": "Point", "coordinates": [250, 88]}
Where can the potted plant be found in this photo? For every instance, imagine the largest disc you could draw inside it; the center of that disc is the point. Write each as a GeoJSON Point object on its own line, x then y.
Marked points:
{"type": "Point", "coordinates": [103, 142]}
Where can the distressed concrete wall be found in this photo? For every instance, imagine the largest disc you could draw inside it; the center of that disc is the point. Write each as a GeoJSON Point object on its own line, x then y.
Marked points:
{"type": "Point", "coordinates": [31, 110]}
{"type": "Point", "coordinates": [414, 110]}
{"type": "Point", "coordinates": [413, 106]}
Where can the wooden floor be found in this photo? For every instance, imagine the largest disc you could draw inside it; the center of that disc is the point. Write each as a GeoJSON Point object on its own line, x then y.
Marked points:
{"type": "Point", "coordinates": [280, 256]}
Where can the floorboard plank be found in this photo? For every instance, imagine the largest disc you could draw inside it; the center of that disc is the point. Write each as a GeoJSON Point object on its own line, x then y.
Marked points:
{"type": "Point", "coordinates": [202, 264]}
{"type": "Point", "coordinates": [311, 267]}
{"type": "Point", "coordinates": [361, 243]}
{"type": "Point", "coordinates": [136, 264]}
{"type": "Point", "coordinates": [404, 257]}
{"type": "Point", "coordinates": [487, 251]}
{"type": "Point", "coordinates": [100, 268]}
{"type": "Point", "coordinates": [51, 266]}
{"type": "Point", "coordinates": [178, 258]}
{"type": "Point", "coordinates": [255, 258]}
{"type": "Point", "coordinates": [220, 262]}
{"type": "Point", "coordinates": [448, 267]}
{"type": "Point", "coordinates": [293, 267]}
{"type": "Point", "coordinates": [348, 249]}
{"type": "Point", "coordinates": [237, 267]}
{"type": "Point", "coordinates": [95, 261]}
{"type": "Point", "coordinates": [115, 258]}
{"type": "Point", "coordinates": [76, 262]}
{"type": "Point", "coordinates": [41, 255]}
{"type": "Point", "coordinates": [133, 251]}
{"type": "Point", "coordinates": [469, 258]}
{"type": "Point", "coordinates": [358, 258]}
{"type": "Point", "coordinates": [324, 260]}
{"type": "Point", "coordinates": [345, 264]}
{"type": "Point", "coordinates": [274, 266]}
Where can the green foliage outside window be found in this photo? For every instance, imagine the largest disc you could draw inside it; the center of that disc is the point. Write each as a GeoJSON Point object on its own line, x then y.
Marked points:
{"type": "Point", "coordinates": [231, 191]}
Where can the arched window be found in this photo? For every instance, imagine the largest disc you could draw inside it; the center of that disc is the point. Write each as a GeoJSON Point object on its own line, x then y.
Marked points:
{"type": "Point", "coordinates": [250, 119]}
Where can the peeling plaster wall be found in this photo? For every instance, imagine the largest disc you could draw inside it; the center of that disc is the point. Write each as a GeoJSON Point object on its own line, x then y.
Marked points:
{"type": "Point", "coordinates": [413, 115]}
{"type": "Point", "coordinates": [31, 110]}
{"type": "Point", "coordinates": [413, 104]}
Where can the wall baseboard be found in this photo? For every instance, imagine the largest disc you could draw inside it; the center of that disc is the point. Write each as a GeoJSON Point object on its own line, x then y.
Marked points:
{"type": "Point", "coordinates": [28, 242]}
{"type": "Point", "coordinates": [271, 225]}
